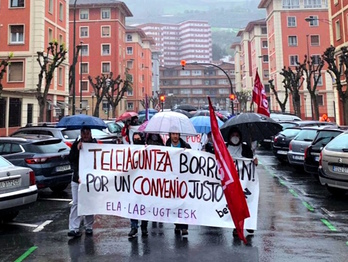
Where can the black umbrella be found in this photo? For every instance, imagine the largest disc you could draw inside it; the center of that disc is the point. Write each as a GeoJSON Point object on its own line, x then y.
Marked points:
{"type": "Point", "coordinates": [186, 108]}
{"type": "Point", "coordinates": [253, 126]}
{"type": "Point", "coordinates": [183, 112]}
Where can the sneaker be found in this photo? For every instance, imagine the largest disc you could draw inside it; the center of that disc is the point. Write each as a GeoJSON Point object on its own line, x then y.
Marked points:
{"type": "Point", "coordinates": [133, 232]}
{"type": "Point", "coordinates": [144, 232]}
{"type": "Point", "coordinates": [89, 231]}
{"type": "Point", "coordinates": [184, 232]}
{"type": "Point", "coordinates": [250, 231]}
{"type": "Point", "coordinates": [74, 233]}
{"type": "Point", "coordinates": [235, 233]}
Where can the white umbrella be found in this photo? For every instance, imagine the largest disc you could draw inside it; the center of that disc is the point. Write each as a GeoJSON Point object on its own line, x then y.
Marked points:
{"type": "Point", "coordinates": [170, 122]}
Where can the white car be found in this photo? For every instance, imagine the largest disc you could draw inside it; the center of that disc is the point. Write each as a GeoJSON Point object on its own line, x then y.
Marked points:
{"type": "Point", "coordinates": [17, 189]}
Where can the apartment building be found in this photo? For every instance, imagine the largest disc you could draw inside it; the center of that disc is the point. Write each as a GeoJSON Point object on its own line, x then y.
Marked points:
{"type": "Point", "coordinates": [195, 83]}
{"type": "Point", "coordinates": [189, 40]}
{"type": "Point", "coordinates": [100, 28]}
{"type": "Point", "coordinates": [27, 27]}
{"type": "Point", "coordinates": [290, 37]}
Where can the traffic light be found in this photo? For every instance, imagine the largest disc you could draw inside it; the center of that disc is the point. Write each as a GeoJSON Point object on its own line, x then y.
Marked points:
{"type": "Point", "coordinates": [183, 63]}
{"type": "Point", "coordinates": [162, 98]}
{"type": "Point", "coordinates": [232, 97]}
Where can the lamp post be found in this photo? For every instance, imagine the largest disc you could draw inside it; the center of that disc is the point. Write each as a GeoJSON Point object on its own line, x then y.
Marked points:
{"type": "Point", "coordinates": [81, 77]}
{"type": "Point", "coordinates": [73, 65]}
{"type": "Point", "coordinates": [183, 64]}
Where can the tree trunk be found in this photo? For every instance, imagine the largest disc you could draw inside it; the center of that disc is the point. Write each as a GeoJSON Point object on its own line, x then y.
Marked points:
{"type": "Point", "coordinates": [96, 110]}
{"type": "Point", "coordinates": [314, 105]}
{"type": "Point", "coordinates": [345, 108]}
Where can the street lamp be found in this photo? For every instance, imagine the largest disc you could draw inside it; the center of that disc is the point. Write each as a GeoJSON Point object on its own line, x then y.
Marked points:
{"type": "Point", "coordinates": [311, 19]}
{"type": "Point", "coordinates": [73, 65]}
{"type": "Point", "coordinates": [81, 77]}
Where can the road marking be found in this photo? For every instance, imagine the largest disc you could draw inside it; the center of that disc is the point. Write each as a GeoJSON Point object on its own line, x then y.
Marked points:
{"type": "Point", "coordinates": [308, 206]}
{"type": "Point", "coordinates": [40, 227]}
{"type": "Point", "coordinates": [328, 224]}
{"type": "Point", "coordinates": [22, 224]}
{"type": "Point", "coordinates": [26, 254]}
{"type": "Point", "coordinates": [327, 212]}
{"type": "Point", "coordinates": [293, 192]}
{"type": "Point", "coordinates": [55, 199]}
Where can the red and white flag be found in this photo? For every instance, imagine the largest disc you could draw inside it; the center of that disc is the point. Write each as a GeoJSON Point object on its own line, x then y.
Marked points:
{"type": "Point", "coordinates": [259, 97]}
{"type": "Point", "coordinates": [231, 185]}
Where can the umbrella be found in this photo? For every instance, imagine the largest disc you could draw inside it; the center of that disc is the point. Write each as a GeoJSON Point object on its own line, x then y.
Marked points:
{"type": "Point", "coordinates": [151, 111]}
{"type": "Point", "coordinates": [81, 120]}
{"type": "Point", "coordinates": [186, 113]}
{"type": "Point", "coordinates": [170, 122]}
{"type": "Point", "coordinates": [253, 126]}
{"type": "Point", "coordinates": [126, 115]}
{"type": "Point", "coordinates": [202, 123]}
{"type": "Point", "coordinates": [202, 113]}
{"type": "Point", "coordinates": [186, 107]}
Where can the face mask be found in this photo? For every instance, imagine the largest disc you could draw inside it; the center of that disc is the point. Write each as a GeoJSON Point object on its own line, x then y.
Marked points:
{"type": "Point", "coordinates": [235, 140]}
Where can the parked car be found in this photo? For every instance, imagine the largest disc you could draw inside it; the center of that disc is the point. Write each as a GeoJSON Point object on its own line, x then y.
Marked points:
{"type": "Point", "coordinates": [333, 165]}
{"type": "Point", "coordinates": [68, 136]}
{"type": "Point", "coordinates": [281, 143]}
{"type": "Point", "coordinates": [17, 189]}
{"type": "Point", "coordinates": [47, 157]}
{"type": "Point", "coordinates": [298, 145]}
{"type": "Point", "coordinates": [284, 117]}
{"type": "Point", "coordinates": [312, 152]}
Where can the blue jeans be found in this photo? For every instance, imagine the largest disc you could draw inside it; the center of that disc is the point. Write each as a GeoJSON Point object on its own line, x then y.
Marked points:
{"type": "Point", "coordinates": [134, 223]}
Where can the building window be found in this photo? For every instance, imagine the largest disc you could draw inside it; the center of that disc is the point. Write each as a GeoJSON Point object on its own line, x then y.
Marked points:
{"type": "Point", "coordinates": [84, 14]}
{"type": "Point", "coordinates": [320, 100]}
{"type": "Point", "coordinates": [314, 20]}
{"type": "Point", "coordinates": [84, 50]}
{"type": "Point", "coordinates": [60, 76]}
{"type": "Point", "coordinates": [105, 13]}
{"type": "Point", "coordinates": [338, 30]}
{"type": "Point", "coordinates": [265, 58]}
{"type": "Point", "coordinates": [17, 34]}
{"type": "Point", "coordinates": [106, 49]}
{"type": "Point", "coordinates": [84, 85]}
{"type": "Point", "coordinates": [83, 31]}
{"type": "Point", "coordinates": [316, 59]}
{"type": "Point", "coordinates": [60, 39]}
{"type": "Point", "coordinates": [61, 12]}
{"type": "Point", "coordinates": [320, 80]}
{"type": "Point", "coordinates": [17, 3]}
{"type": "Point", "coordinates": [129, 50]}
{"type": "Point", "coordinates": [50, 6]}
{"type": "Point", "coordinates": [314, 40]}
{"type": "Point", "coordinates": [265, 74]}
{"type": "Point", "coordinates": [196, 72]}
{"type": "Point", "coordinates": [185, 72]}
{"type": "Point", "coordinates": [15, 72]}
{"type": "Point", "coordinates": [312, 3]}
{"type": "Point", "coordinates": [264, 44]}
{"type": "Point", "coordinates": [264, 30]}
{"type": "Point", "coordinates": [130, 64]}
{"type": "Point", "coordinates": [15, 112]}
{"type": "Point", "coordinates": [291, 21]}
{"type": "Point", "coordinates": [129, 38]}
{"type": "Point", "coordinates": [105, 31]}
{"type": "Point", "coordinates": [292, 40]}
{"type": "Point", "coordinates": [106, 67]}
{"type": "Point", "coordinates": [130, 106]}
{"type": "Point", "coordinates": [84, 68]}
{"type": "Point", "coordinates": [130, 93]}
{"type": "Point", "coordinates": [293, 60]}
{"type": "Point", "coordinates": [290, 4]}
{"type": "Point", "coordinates": [50, 34]}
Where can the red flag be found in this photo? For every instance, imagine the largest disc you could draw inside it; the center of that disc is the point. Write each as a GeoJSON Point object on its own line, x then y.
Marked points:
{"type": "Point", "coordinates": [259, 97]}
{"type": "Point", "coordinates": [229, 178]}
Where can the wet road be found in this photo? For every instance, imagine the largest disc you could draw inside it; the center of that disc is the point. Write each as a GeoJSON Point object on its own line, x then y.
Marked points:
{"type": "Point", "coordinates": [298, 220]}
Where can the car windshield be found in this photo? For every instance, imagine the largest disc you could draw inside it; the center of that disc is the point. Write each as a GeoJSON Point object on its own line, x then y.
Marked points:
{"type": "Point", "coordinates": [71, 134]}
{"type": "Point", "coordinates": [114, 128]}
{"type": "Point", "coordinates": [290, 132]}
{"type": "Point", "coordinates": [287, 125]}
{"type": "Point", "coordinates": [47, 146]}
{"type": "Point", "coordinates": [4, 162]}
{"type": "Point", "coordinates": [339, 143]}
{"type": "Point", "coordinates": [324, 137]}
{"type": "Point", "coordinates": [306, 135]}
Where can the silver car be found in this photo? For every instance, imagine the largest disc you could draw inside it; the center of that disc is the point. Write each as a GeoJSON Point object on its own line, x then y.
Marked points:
{"type": "Point", "coordinates": [17, 189]}
{"type": "Point", "coordinates": [333, 165]}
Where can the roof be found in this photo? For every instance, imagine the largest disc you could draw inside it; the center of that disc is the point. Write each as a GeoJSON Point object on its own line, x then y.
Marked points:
{"type": "Point", "coordinates": [101, 3]}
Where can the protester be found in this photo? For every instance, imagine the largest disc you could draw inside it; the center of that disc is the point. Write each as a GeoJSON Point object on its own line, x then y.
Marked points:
{"type": "Point", "coordinates": [74, 155]}
{"type": "Point", "coordinates": [138, 139]}
{"type": "Point", "coordinates": [126, 132]}
{"type": "Point", "coordinates": [174, 140]}
{"type": "Point", "coordinates": [324, 118]}
{"type": "Point", "coordinates": [238, 149]}
{"type": "Point", "coordinates": [209, 146]}
{"type": "Point", "coordinates": [154, 139]}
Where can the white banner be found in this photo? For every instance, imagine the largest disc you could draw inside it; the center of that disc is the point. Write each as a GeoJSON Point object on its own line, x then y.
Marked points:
{"type": "Point", "coordinates": [161, 184]}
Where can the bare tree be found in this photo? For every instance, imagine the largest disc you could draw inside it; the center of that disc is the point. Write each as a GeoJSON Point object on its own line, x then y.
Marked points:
{"type": "Point", "coordinates": [286, 85]}
{"type": "Point", "coordinates": [243, 98]}
{"type": "Point", "coordinates": [293, 80]}
{"type": "Point", "coordinates": [3, 66]}
{"type": "Point", "coordinates": [100, 87]}
{"type": "Point", "coordinates": [48, 62]}
{"type": "Point", "coordinates": [312, 70]}
{"type": "Point", "coordinates": [338, 64]}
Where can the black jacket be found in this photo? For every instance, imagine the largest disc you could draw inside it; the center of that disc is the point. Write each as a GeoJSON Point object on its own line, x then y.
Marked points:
{"type": "Point", "coordinates": [74, 156]}
{"type": "Point", "coordinates": [183, 144]}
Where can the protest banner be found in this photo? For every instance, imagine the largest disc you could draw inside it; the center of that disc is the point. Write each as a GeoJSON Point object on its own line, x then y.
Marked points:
{"type": "Point", "coordinates": [161, 184]}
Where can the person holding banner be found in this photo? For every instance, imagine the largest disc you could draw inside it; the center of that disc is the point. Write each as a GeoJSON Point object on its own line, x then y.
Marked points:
{"type": "Point", "coordinates": [175, 140]}
{"type": "Point", "coordinates": [138, 140]}
{"type": "Point", "coordinates": [74, 155]}
{"type": "Point", "coordinates": [238, 149]}
{"type": "Point", "coordinates": [154, 139]}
